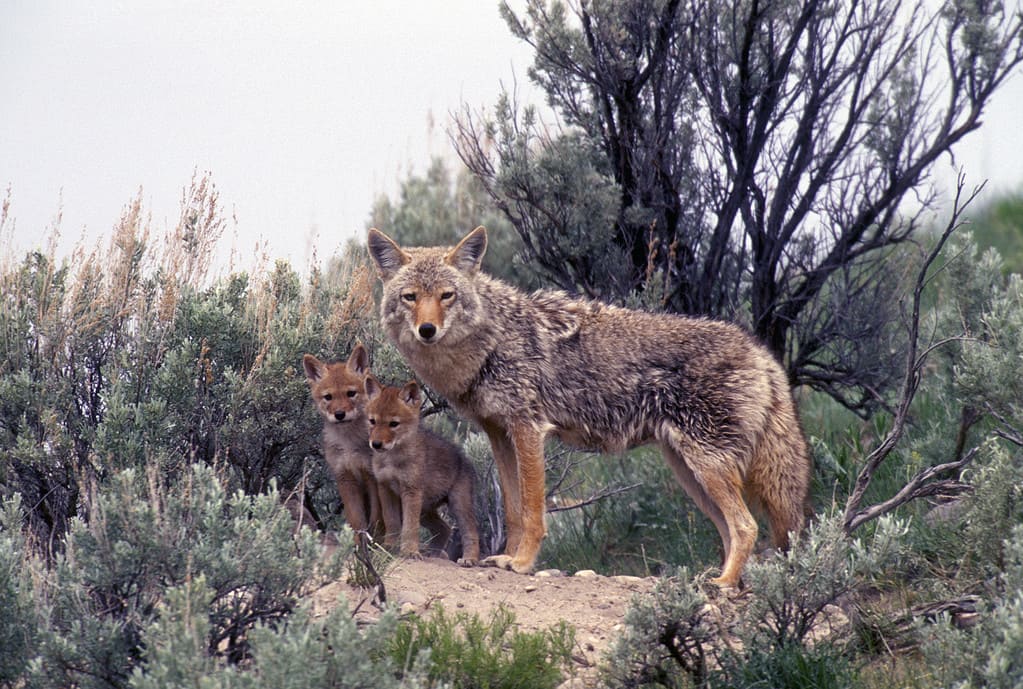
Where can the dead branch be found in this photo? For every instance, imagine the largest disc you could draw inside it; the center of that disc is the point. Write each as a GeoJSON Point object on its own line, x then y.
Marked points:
{"type": "Point", "coordinates": [919, 485]}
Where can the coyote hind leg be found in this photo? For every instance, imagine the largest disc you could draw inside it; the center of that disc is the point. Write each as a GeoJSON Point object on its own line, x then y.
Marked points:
{"type": "Point", "coordinates": [714, 480]}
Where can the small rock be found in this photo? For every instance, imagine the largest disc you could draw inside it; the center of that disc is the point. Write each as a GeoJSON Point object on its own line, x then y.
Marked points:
{"type": "Point", "coordinates": [586, 574]}
{"type": "Point", "coordinates": [545, 573]}
{"type": "Point", "coordinates": [627, 579]}
{"type": "Point", "coordinates": [406, 608]}
{"type": "Point", "coordinates": [531, 587]}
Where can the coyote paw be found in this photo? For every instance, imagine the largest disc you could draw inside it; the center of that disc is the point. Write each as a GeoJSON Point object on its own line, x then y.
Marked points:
{"type": "Point", "coordinates": [499, 561]}
{"type": "Point", "coordinates": [468, 561]}
{"type": "Point", "coordinates": [508, 562]}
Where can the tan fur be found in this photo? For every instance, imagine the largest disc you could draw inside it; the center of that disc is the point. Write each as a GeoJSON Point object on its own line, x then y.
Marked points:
{"type": "Point", "coordinates": [339, 392]}
{"type": "Point", "coordinates": [416, 472]}
{"type": "Point", "coordinates": [523, 367]}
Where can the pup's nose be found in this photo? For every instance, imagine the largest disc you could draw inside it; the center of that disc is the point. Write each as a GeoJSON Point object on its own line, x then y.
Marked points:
{"type": "Point", "coordinates": [339, 415]}
{"type": "Point", "coordinates": [376, 444]}
{"type": "Point", "coordinates": [427, 330]}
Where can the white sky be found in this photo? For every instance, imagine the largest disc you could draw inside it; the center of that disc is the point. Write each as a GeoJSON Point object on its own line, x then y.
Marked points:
{"type": "Point", "coordinates": [304, 111]}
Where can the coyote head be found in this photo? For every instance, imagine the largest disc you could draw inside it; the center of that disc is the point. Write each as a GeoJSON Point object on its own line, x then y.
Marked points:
{"type": "Point", "coordinates": [428, 289]}
{"type": "Point", "coordinates": [339, 390]}
{"type": "Point", "coordinates": [393, 413]}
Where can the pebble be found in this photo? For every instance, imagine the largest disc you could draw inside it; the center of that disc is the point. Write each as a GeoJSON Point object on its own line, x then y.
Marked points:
{"type": "Point", "coordinates": [546, 573]}
{"type": "Point", "coordinates": [586, 574]}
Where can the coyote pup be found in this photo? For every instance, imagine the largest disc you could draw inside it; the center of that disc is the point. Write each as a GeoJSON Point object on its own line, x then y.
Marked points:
{"type": "Point", "coordinates": [416, 472]}
{"type": "Point", "coordinates": [523, 367]}
{"type": "Point", "coordinates": [339, 392]}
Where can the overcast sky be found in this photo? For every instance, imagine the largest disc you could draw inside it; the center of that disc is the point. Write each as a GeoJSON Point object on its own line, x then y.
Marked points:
{"type": "Point", "coordinates": [304, 111]}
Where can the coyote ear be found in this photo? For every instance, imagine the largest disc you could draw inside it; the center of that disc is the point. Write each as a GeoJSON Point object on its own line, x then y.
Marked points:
{"type": "Point", "coordinates": [410, 394]}
{"type": "Point", "coordinates": [314, 368]}
{"type": "Point", "coordinates": [359, 359]}
{"type": "Point", "coordinates": [373, 388]}
{"type": "Point", "coordinates": [387, 255]}
{"type": "Point", "coordinates": [468, 255]}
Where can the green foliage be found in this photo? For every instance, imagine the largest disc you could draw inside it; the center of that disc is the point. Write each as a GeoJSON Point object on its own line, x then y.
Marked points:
{"type": "Point", "coordinates": [666, 638]}
{"type": "Point", "coordinates": [999, 225]}
{"type": "Point", "coordinates": [793, 589]}
{"type": "Point", "coordinates": [990, 654]}
{"type": "Point", "coordinates": [132, 356]}
{"type": "Point", "coordinates": [304, 653]}
{"type": "Point", "coordinates": [471, 653]}
{"type": "Point", "coordinates": [17, 624]}
{"type": "Point", "coordinates": [678, 637]}
{"type": "Point", "coordinates": [652, 527]}
{"type": "Point", "coordinates": [143, 536]}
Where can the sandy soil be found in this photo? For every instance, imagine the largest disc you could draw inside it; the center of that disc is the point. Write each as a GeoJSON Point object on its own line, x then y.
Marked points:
{"type": "Point", "coordinates": [594, 605]}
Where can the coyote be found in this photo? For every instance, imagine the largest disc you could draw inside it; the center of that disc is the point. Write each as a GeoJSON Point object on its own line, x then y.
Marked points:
{"type": "Point", "coordinates": [339, 392]}
{"type": "Point", "coordinates": [416, 472]}
{"type": "Point", "coordinates": [523, 367]}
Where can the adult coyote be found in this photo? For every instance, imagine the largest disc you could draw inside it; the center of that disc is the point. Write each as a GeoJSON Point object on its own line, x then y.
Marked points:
{"type": "Point", "coordinates": [523, 367]}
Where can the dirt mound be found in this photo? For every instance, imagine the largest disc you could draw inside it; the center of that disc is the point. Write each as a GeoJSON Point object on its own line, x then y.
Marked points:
{"type": "Point", "coordinates": [594, 605]}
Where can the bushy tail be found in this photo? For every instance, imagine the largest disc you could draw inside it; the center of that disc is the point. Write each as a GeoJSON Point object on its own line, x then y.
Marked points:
{"type": "Point", "coordinates": [779, 478]}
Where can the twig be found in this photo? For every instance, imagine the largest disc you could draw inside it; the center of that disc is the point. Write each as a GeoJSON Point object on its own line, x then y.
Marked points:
{"type": "Point", "coordinates": [600, 495]}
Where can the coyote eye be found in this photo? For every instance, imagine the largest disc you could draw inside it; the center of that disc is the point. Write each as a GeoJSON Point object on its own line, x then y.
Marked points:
{"type": "Point", "coordinates": [351, 393]}
{"type": "Point", "coordinates": [393, 424]}
{"type": "Point", "coordinates": [328, 397]}
{"type": "Point", "coordinates": [447, 296]}
{"type": "Point", "coordinates": [410, 297]}
{"type": "Point", "coordinates": [372, 421]}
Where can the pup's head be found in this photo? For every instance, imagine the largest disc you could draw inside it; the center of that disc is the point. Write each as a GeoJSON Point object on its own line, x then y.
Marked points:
{"type": "Point", "coordinates": [339, 389]}
{"type": "Point", "coordinates": [426, 289]}
{"type": "Point", "coordinates": [392, 412]}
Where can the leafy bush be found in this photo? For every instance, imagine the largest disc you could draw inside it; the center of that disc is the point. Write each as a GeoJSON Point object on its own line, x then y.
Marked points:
{"type": "Point", "coordinates": [144, 536]}
{"type": "Point", "coordinates": [330, 652]}
{"type": "Point", "coordinates": [470, 653]}
{"type": "Point", "coordinates": [990, 654]}
{"type": "Point", "coordinates": [678, 637]}
{"type": "Point", "coordinates": [17, 624]}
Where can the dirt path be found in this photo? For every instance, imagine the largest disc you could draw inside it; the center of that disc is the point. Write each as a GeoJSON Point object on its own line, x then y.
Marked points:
{"type": "Point", "coordinates": [594, 605]}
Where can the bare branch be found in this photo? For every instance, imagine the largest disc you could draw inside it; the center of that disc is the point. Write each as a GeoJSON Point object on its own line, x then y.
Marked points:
{"type": "Point", "coordinates": [914, 363]}
{"type": "Point", "coordinates": [595, 497]}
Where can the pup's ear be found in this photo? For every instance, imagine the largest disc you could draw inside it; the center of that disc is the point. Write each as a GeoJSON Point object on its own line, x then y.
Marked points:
{"type": "Point", "coordinates": [358, 361]}
{"type": "Point", "coordinates": [410, 394]}
{"type": "Point", "coordinates": [373, 388]}
{"type": "Point", "coordinates": [314, 368]}
{"type": "Point", "coordinates": [468, 255]}
{"type": "Point", "coordinates": [387, 256]}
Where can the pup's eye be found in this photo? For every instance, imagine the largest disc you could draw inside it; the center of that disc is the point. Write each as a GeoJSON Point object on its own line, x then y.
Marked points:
{"type": "Point", "coordinates": [372, 421]}
{"type": "Point", "coordinates": [328, 397]}
{"type": "Point", "coordinates": [410, 297]}
{"type": "Point", "coordinates": [447, 296]}
{"type": "Point", "coordinates": [351, 393]}
{"type": "Point", "coordinates": [393, 424]}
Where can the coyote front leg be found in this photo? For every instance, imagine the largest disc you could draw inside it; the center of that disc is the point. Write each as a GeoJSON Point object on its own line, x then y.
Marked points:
{"type": "Point", "coordinates": [527, 443]}
{"type": "Point", "coordinates": [508, 478]}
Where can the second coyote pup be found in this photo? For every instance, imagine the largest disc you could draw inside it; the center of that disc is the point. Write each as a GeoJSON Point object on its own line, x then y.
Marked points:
{"type": "Point", "coordinates": [416, 472]}
{"type": "Point", "coordinates": [523, 367]}
{"type": "Point", "coordinates": [339, 393]}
